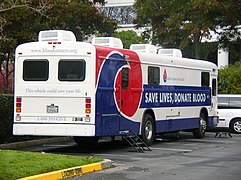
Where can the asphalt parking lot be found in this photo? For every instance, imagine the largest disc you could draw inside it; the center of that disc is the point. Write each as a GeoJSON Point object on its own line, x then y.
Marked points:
{"type": "Point", "coordinates": [216, 158]}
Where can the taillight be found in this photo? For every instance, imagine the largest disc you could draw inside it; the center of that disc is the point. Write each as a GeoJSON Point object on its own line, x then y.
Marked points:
{"type": "Point", "coordinates": [87, 105]}
{"type": "Point", "coordinates": [18, 104]}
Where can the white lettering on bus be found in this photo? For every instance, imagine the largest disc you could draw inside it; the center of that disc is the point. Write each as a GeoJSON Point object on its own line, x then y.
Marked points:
{"type": "Point", "coordinates": [166, 98]}
{"type": "Point", "coordinates": [151, 97]}
{"type": "Point", "coordinates": [199, 97]}
{"type": "Point", "coordinates": [183, 97]}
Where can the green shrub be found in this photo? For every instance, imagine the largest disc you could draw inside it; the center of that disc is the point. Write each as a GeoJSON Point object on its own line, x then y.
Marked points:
{"type": "Point", "coordinates": [6, 116]}
{"type": "Point", "coordinates": [229, 79]}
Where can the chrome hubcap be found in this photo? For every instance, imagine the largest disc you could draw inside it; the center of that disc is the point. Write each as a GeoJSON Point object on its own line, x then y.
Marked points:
{"type": "Point", "coordinates": [148, 130]}
{"type": "Point", "coordinates": [203, 125]}
{"type": "Point", "coordinates": [237, 126]}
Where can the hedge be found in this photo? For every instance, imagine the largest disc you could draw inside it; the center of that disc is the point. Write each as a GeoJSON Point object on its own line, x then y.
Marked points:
{"type": "Point", "coordinates": [6, 117]}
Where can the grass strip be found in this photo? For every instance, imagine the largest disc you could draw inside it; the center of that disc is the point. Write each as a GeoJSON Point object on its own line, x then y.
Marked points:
{"type": "Point", "coordinates": [19, 164]}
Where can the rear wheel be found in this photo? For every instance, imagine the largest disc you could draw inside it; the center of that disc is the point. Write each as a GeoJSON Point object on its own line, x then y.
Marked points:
{"type": "Point", "coordinates": [236, 126]}
{"type": "Point", "coordinates": [148, 129]}
{"type": "Point", "coordinates": [200, 132]}
{"type": "Point", "coordinates": [86, 141]}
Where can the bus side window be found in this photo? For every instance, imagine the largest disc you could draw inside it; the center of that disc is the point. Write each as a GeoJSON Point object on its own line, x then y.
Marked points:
{"type": "Point", "coordinates": [205, 79]}
{"type": "Point", "coordinates": [125, 78]}
{"type": "Point", "coordinates": [153, 75]}
{"type": "Point", "coordinates": [214, 87]}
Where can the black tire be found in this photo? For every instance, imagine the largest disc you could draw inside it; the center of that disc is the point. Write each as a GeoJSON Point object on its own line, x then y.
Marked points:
{"type": "Point", "coordinates": [147, 130]}
{"type": "Point", "coordinates": [86, 141]}
{"type": "Point", "coordinates": [236, 126]}
{"type": "Point", "coordinates": [200, 132]}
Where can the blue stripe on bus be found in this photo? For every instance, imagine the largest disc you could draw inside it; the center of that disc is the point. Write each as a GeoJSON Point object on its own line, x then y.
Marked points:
{"type": "Point", "coordinates": [112, 128]}
{"type": "Point", "coordinates": [155, 96]}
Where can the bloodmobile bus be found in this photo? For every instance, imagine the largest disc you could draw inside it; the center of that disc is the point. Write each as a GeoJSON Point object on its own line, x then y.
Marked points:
{"type": "Point", "coordinates": [68, 88]}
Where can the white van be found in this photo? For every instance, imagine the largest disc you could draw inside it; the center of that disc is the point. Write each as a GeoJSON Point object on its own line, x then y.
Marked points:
{"type": "Point", "coordinates": [229, 109]}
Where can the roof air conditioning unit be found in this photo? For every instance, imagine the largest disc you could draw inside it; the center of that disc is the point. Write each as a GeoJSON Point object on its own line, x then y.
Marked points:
{"type": "Point", "coordinates": [170, 52]}
{"type": "Point", "coordinates": [108, 41]}
{"type": "Point", "coordinates": [148, 48]}
{"type": "Point", "coordinates": [56, 35]}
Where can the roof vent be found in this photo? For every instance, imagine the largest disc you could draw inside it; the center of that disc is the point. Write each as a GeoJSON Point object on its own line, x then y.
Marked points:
{"type": "Point", "coordinates": [56, 35]}
{"type": "Point", "coordinates": [170, 52]}
{"type": "Point", "coordinates": [108, 41]}
{"type": "Point", "coordinates": [149, 48]}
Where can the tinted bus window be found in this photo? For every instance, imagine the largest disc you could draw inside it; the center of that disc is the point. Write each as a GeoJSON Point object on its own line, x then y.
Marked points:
{"type": "Point", "coordinates": [35, 70]}
{"type": "Point", "coordinates": [214, 87]}
{"type": "Point", "coordinates": [205, 79]}
{"type": "Point", "coordinates": [153, 75]}
{"type": "Point", "coordinates": [71, 70]}
{"type": "Point", "coordinates": [125, 77]}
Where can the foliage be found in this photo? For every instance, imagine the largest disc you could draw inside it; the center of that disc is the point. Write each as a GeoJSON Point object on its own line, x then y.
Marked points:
{"type": "Point", "coordinates": [17, 164]}
{"type": "Point", "coordinates": [81, 18]}
{"type": "Point", "coordinates": [20, 22]}
{"type": "Point", "coordinates": [182, 24]}
{"type": "Point", "coordinates": [6, 114]}
{"type": "Point", "coordinates": [129, 37]}
{"type": "Point", "coordinates": [229, 81]}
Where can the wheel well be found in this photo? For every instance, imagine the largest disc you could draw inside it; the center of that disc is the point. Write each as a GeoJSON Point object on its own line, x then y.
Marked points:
{"type": "Point", "coordinates": [205, 112]}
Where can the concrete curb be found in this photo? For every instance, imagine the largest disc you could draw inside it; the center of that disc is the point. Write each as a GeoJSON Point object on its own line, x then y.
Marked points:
{"type": "Point", "coordinates": [72, 172]}
{"type": "Point", "coordinates": [24, 144]}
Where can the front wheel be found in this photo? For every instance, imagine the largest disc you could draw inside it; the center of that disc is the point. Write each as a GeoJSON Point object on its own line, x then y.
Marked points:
{"type": "Point", "coordinates": [200, 132]}
{"type": "Point", "coordinates": [147, 130]}
{"type": "Point", "coordinates": [236, 126]}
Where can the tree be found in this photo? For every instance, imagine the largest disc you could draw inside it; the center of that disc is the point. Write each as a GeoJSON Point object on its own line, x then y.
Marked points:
{"type": "Point", "coordinates": [185, 23]}
{"type": "Point", "coordinates": [20, 22]}
{"type": "Point", "coordinates": [129, 37]}
{"type": "Point", "coordinates": [82, 18]}
{"type": "Point", "coordinates": [229, 79]}
{"type": "Point", "coordinates": [15, 27]}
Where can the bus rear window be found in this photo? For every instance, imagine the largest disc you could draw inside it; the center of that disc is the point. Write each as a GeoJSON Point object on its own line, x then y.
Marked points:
{"type": "Point", "coordinates": [35, 70]}
{"type": "Point", "coordinates": [71, 70]}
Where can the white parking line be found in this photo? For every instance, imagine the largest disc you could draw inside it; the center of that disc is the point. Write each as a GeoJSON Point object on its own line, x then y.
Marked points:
{"type": "Point", "coordinates": [114, 155]}
{"type": "Point", "coordinates": [216, 140]}
{"type": "Point", "coordinates": [170, 149]}
{"type": "Point", "coordinates": [56, 145]}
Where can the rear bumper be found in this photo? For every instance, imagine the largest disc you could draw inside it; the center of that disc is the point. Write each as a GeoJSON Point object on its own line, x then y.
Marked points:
{"type": "Point", "coordinates": [213, 121]}
{"type": "Point", "coordinates": [54, 129]}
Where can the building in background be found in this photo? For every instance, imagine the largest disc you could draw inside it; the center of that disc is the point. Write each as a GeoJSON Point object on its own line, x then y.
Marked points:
{"type": "Point", "coordinates": [123, 13]}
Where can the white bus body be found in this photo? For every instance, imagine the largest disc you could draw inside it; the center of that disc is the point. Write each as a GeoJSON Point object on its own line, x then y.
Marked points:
{"type": "Point", "coordinates": [69, 88]}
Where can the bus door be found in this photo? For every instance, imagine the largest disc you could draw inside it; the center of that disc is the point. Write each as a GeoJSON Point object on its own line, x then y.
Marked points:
{"type": "Point", "coordinates": [129, 96]}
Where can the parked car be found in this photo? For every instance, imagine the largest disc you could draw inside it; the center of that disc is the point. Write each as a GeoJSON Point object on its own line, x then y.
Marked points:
{"type": "Point", "coordinates": [229, 109]}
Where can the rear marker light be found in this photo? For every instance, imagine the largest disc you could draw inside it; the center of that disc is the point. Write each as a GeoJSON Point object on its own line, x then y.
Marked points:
{"type": "Point", "coordinates": [87, 111]}
{"type": "Point", "coordinates": [19, 99]}
{"type": "Point", "coordinates": [18, 104]}
{"type": "Point", "coordinates": [87, 100]}
{"type": "Point", "coordinates": [54, 42]}
{"type": "Point", "coordinates": [18, 109]}
{"type": "Point", "coordinates": [87, 105]}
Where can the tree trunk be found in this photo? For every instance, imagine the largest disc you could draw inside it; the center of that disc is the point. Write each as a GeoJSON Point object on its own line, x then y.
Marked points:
{"type": "Point", "coordinates": [197, 46]}
{"type": "Point", "coordinates": [6, 73]}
